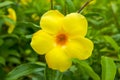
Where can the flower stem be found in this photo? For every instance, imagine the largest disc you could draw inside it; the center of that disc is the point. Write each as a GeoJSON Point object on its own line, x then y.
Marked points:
{"type": "Point", "coordinates": [65, 7]}
{"type": "Point", "coordinates": [51, 2]}
{"type": "Point", "coordinates": [84, 5]}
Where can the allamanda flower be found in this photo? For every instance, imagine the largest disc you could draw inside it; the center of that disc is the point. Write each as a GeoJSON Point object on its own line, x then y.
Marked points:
{"type": "Point", "coordinates": [61, 39]}
{"type": "Point", "coordinates": [11, 15]}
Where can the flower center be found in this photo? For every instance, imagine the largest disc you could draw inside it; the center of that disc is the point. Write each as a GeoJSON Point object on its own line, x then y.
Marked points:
{"type": "Point", "coordinates": [61, 39]}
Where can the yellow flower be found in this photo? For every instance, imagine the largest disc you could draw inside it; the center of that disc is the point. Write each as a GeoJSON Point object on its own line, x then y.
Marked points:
{"type": "Point", "coordinates": [61, 39]}
{"type": "Point", "coordinates": [11, 15]}
{"type": "Point", "coordinates": [25, 2]}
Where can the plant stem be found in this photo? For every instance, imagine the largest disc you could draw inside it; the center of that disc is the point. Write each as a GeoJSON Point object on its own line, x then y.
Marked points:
{"type": "Point", "coordinates": [51, 4]}
{"type": "Point", "coordinates": [65, 7]}
{"type": "Point", "coordinates": [84, 5]}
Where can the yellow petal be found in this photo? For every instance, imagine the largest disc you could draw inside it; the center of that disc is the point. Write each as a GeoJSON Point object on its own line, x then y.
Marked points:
{"type": "Point", "coordinates": [51, 21]}
{"type": "Point", "coordinates": [12, 14]}
{"type": "Point", "coordinates": [11, 28]}
{"type": "Point", "coordinates": [75, 24]}
{"type": "Point", "coordinates": [79, 48]}
{"type": "Point", "coordinates": [42, 42]}
{"type": "Point", "coordinates": [58, 60]}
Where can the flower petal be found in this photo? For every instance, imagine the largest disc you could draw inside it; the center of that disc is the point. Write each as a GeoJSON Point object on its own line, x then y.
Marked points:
{"type": "Point", "coordinates": [51, 21]}
{"type": "Point", "coordinates": [12, 14]}
{"type": "Point", "coordinates": [75, 24]}
{"type": "Point", "coordinates": [80, 48]}
{"type": "Point", "coordinates": [11, 28]}
{"type": "Point", "coordinates": [58, 60]}
{"type": "Point", "coordinates": [42, 42]}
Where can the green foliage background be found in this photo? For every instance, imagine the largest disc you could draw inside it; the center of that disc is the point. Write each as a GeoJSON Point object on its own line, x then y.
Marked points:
{"type": "Point", "coordinates": [18, 61]}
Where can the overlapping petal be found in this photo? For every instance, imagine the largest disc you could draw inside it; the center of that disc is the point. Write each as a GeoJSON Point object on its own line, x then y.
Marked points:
{"type": "Point", "coordinates": [42, 42]}
{"type": "Point", "coordinates": [51, 21]}
{"type": "Point", "coordinates": [75, 24]}
{"type": "Point", "coordinates": [80, 48]}
{"type": "Point", "coordinates": [58, 60]}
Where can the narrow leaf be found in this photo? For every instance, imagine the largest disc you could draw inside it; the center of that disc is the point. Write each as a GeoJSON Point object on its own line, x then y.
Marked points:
{"type": "Point", "coordinates": [70, 5]}
{"type": "Point", "coordinates": [112, 42]}
{"type": "Point", "coordinates": [88, 69]}
{"type": "Point", "coordinates": [114, 7]}
{"type": "Point", "coordinates": [23, 70]}
{"type": "Point", "coordinates": [5, 3]}
{"type": "Point", "coordinates": [108, 68]}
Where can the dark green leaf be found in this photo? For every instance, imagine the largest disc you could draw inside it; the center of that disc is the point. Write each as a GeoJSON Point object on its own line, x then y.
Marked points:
{"type": "Point", "coordinates": [1, 42]}
{"type": "Point", "coordinates": [14, 60]}
{"type": "Point", "coordinates": [2, 60]}
{"type": "Point", "coordinates": [2, 73]}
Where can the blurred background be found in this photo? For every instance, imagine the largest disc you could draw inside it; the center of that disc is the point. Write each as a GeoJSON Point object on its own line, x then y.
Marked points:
{"type": "Point", "coordinates": [104, 30]}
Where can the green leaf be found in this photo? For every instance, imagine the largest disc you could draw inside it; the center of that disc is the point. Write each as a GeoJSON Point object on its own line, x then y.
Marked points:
{"type": "Point", "coordinates": [14, 53]}
{"type": "Point", "coordinates": [1, 41]}
{"type": "Point", "coordinates": [61, 2]}
{"type": "Point", "coordinates": [37, 76]}
{"type": "Point", "coordinates": [2, 73]}
{"type": "Point", "coordinates": [52, 74]}
{"type": "Point", "coordinates": [23, 70]}
{"type": "Point", "coordinates": [88, 69]}
{"type": "Point", "coordinates": [14, 60]}
{"type": "Point", "coordinates": [70, 5]}
{"type": "Point", "coordinates": [108, 68]}
{"type": "Point", "coordinates": [114, 7]}
{"type": "Point", "coordinates": [112, 42]}
{"type": "Point", "coordinates": [2, 60]}
{"type": "Point", "coordinates": [5, 3]}
{"type": "Point", "coordinates": [6, 19]}
{"type": "Point", "coordinates": [30, 23]}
